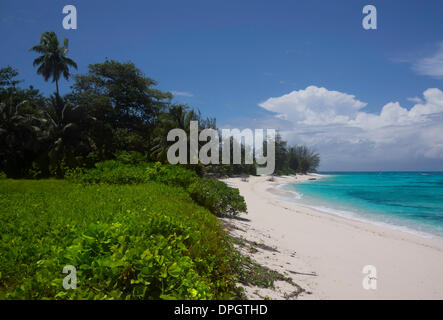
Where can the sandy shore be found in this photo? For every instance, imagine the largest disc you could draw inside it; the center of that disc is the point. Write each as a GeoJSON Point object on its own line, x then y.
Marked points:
{"type": "Point", "coordinates": [325, 254]}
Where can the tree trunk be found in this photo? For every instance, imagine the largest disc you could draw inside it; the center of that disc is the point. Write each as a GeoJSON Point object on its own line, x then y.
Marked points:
{"type": "Point", "coordinates": [56, 86]}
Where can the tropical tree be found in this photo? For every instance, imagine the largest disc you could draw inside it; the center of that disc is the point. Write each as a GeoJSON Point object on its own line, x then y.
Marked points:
{"type": "Point", "coordinates": [53, 61]}
{"type": "Point", "coordinates": [68, 131]}
{"type": "Point", "coordinates": [22, 125]}
{"type": "Point", "coordinates": [293, 159]}
{"type": "Point", "coordinates": [125, 103]}
{"type": "Point", "coordinates": [21, 136]}
{"type": "Point", "coordinates": [7, 78]}
{"type": "Point", "coordinates": [281, 152]}
{"type": "Point", "coordinates": [302, 159]}
{"type": "Point", "coordinates": [178, 117]}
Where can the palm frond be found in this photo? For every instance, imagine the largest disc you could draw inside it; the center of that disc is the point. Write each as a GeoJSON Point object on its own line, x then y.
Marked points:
{"type": "Point", "coordinates": [53, 61]}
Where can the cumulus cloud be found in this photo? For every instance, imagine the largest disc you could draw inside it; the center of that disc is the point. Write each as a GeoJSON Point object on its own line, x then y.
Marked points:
{"type": "Point", "coordinates": [348, 138]}
{"type": "Point", "coordinates": [431, 66]}
{"type": "Point", "coordinates": [314, 106]}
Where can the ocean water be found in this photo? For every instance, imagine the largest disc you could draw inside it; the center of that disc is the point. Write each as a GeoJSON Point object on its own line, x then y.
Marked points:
{"type": "Point", "coordinates": [412, 201]}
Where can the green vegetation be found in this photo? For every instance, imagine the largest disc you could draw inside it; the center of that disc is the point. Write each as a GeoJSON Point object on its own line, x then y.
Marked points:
{"type": "Point", "coordinates": [53, 61]}
{"type": "Point", "coordinates": [134, 226]}
{"type": "Point", "coordinates": [146, 241]}
{"type": "Point", "coordinates": [294, 159]}
{"type": "Point", "coordinates": [209, 193]}
{"type": "Point", "coordinates": [112, 108]}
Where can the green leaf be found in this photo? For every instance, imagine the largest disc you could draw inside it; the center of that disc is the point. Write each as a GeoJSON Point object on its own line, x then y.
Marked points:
{"type": "Point", "coordinates": [174, 270]}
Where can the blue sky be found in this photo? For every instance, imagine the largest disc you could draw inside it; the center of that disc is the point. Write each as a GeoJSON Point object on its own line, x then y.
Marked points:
{"type": "Point", "coordinates": [228, 58]}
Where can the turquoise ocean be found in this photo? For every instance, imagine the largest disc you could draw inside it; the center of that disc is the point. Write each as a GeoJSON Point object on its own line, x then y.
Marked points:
{"type": "Point", "coordinates": [411, 201]}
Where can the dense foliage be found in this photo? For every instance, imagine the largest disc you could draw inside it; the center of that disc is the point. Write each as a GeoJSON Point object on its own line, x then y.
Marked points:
{"type": "Point", "coordinates": [145, 241]}
{"type": "Point", "coordinates": [133, 226]}
{"type": "Point", "coordinates": [294, 159]}
{"type": "Point", "coordinates": [209, 193]}
{"type": "Point", "coordinates": [112, 108]}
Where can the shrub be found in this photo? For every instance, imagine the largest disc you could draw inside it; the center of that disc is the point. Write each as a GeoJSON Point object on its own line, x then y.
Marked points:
{"type": "Point", "coordinates": [145, 241]}
{"type": "Point", "coordinates": [111, 172]}
{"type": "Point", "coordinates": [210, 193]}
{"type": "Point", "coordinates": [130, 157]}
{"type": "Point", "coordinates": [217, 197]}
{"type": "Point", "coordinates": [171, 175]}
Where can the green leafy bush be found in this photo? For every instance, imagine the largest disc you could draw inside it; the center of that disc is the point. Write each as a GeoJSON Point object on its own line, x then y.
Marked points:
{"type": "Point", "coordinates": [111, 172]}
{"type": "Point", "coordinates": [130, 157]}
{"type": "Point", "coordinates": [217, 197]}
{"type": "Point", "coordinates": [210, 193]}
{"type": "Point", "coordinates": [171, 175]}
{"type": "Point", "coordinates": [148, 241]}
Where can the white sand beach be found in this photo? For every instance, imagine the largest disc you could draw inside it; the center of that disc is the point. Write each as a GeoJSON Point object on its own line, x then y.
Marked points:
{"type": "Point", "coordinates": [325, 254]}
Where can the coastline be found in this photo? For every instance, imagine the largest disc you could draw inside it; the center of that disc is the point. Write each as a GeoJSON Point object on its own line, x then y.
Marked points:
{"type": "Point", "coordinates": [286, 195]}
{"type": "Point", "coordinates": [325, 254]}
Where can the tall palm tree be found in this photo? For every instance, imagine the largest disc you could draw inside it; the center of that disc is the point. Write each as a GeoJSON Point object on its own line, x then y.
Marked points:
{"type": "Point", "coordinates": [178, 117]}
{"type": "Point", "coordinates": [53, 62]}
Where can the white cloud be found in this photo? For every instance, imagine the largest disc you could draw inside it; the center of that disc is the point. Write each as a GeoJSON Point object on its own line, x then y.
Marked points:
{"type": "Point", "coordinates": [182, 93]}
{"type": "Point", "coordinates": [431, 66]}
{"type": "Point", "coordinates": [315, 106]}
{"type": "Point", "coordinates": [415, 99]}
{"type": "Point", "coordinates": [349, 138]}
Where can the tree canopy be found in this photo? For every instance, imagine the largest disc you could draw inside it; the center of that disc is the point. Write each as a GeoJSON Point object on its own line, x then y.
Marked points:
{"type": "Point", "coordinates": [53, 62]}
{"type": "Point", "coordinates": [112, 108]}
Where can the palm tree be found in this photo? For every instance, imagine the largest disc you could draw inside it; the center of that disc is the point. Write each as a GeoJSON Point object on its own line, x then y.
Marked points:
{"type": "Point", "coordinates": [21, 135]}
{"type": "Point", "coordinates": [68, 131]}
{"type": "Point", "coordinates": [67, 124]}
{"type": "Point", "coordinates": [53, 61]}
{"type": "Point", "coordinates": [178, 117]}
